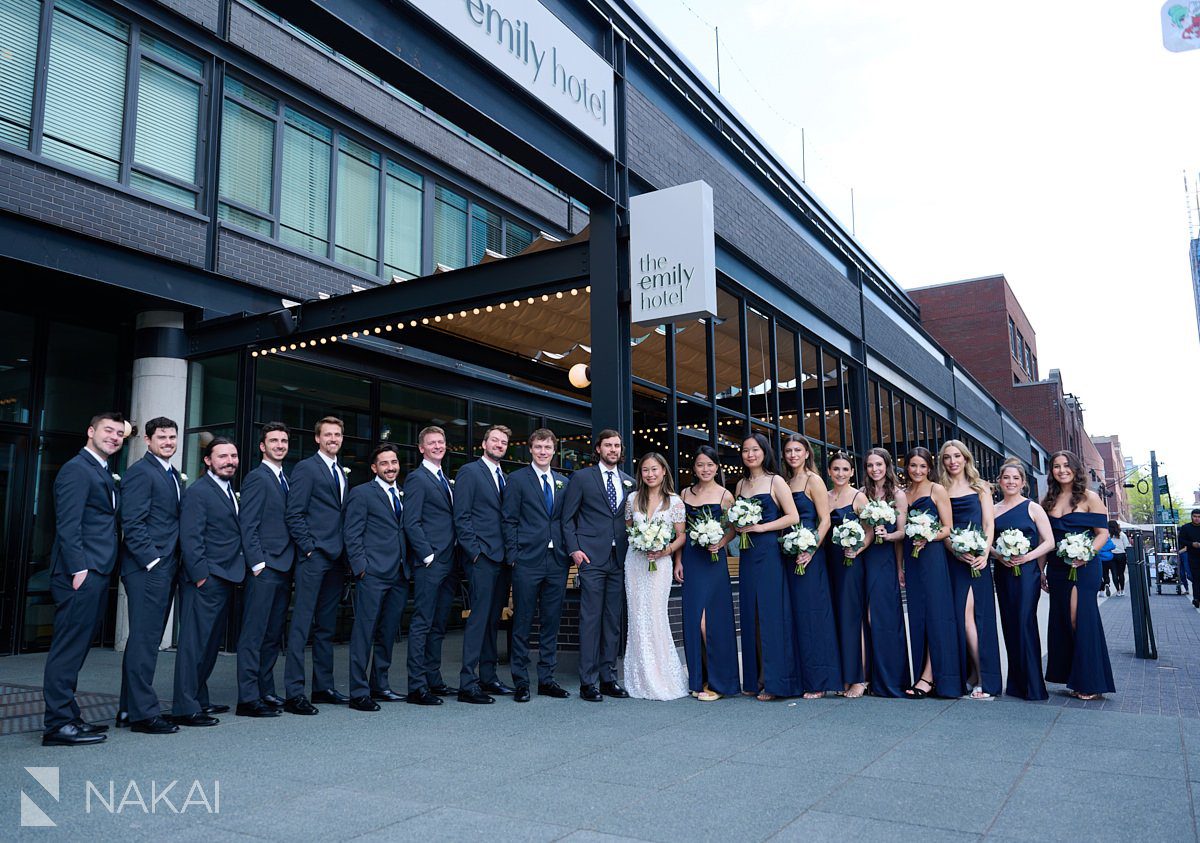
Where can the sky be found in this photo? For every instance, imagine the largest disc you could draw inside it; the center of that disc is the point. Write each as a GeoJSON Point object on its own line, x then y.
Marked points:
{"type": "Point", "coordinates": [1046, 143]}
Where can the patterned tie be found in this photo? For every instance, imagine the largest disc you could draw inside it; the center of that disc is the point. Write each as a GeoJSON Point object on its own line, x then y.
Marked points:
{"type": "Point", "coordinates": [612, 493]}
{"type": "Point", "coordinates": [337, 481]}
{"type": "Point", "coordinates": [445, 484]}
{"type": "Point", "coordinates": [395, 502]}
{"type": "Point", "coordinates": [500, 480]}
{"type": "Point", "coordinates": [548, 494]}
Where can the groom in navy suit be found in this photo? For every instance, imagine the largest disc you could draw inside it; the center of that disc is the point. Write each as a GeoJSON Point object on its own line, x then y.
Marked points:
{"type": "Point", "coordinates": [593, 527]}
{"type": "Point", "coordinates": [534, 548]}
{"type": "Point", "coordinates": [81, 564]}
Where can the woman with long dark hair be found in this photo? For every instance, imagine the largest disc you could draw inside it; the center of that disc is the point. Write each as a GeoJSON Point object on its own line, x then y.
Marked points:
{"type": "Point", "coordinates": [766, 644]}
{"type": "Point", "coordinates": [846, 573]}
{"type": "Point", "coordinates": [709, 638]}
{"type": "Point", "coordinates": [1076, 652]}
{"type": "Point", "coordinates": [816, 667]}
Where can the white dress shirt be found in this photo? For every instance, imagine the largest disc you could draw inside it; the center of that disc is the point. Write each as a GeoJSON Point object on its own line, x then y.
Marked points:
{"type": "Point", "coordinates": [435, 470]}
{"type": "Point", "coordinates": [548, 474]}
{"type": "Point", "coordinates": [341, 475]}
{"type": "Point", "coordinates": [492, 467]}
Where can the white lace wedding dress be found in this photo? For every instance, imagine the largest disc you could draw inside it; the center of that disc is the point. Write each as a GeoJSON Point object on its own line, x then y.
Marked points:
{"type": "Point", "coordinates": [652, 667]}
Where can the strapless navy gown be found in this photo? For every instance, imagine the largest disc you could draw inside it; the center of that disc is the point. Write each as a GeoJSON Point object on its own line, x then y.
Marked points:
{"type": "Point", "coordinates": [765, 632]}
{"type": "Point", "coordinates": [708, 595]}
{"type": "Point", "coordinates": [883, 621]}
{"type": "Point", "coordinates": [1018, 598]}
{"type": "Point", "coordinates": [932, 626]}
{"type": "Point", "coordinates": [815, 664]}
{"type": "Point", "coordinates": [849, 588]}
{"type": "Point", "coordinates": [1077, 658]}
{"type": "Point", "coordinates": [968, 512]}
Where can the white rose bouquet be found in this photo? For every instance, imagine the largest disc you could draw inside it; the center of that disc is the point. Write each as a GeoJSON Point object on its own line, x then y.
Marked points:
{"type": "Point", "coordinates": [650, 535]}
{"type": "Point", "coordinates": [705, 531]}
{"type": "Point", "coordinates": [1076, 547]}
{"type": "Point", "coordinates": [849, 536]}
{"type": "Point", "coordinates": [745, 512]}
{"type": "Point", "coordinates": [1010, 544]}
{"type": "Point", "coordinates": [921, 526]}
{"type": "Point", "coordinates": [796, 541]}
{"type": "Point", "coordinates": [878, 514]}
{"type": "Point", "coordinates": [968, 541]}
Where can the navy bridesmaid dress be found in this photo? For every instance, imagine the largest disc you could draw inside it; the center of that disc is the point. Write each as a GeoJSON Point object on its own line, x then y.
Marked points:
{"type": "Point", "coordinates": [931, 617]}
{"type": "Point", "coordinates": [968, 512]}
{"type": "Point", "coordinates": [815, 665]}
{"type": "Point", "coordinates": [849, 588]}
{"type": "Point", "coordinates": [765, 631]}
{"type": "Point", "coordinates": [1018, 597]}
{"type": "Point", "coordinates": [887, 646]}
{"type": "Point", "coordinates": [707, 594]}
{"type": "Point", "coordinates": [1079, 658]}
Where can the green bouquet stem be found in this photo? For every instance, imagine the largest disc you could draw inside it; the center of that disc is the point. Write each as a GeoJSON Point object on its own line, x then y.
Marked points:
{"type": "Point", "coordinates": [1073, 574]}
{"type": "Point", "coordinates": [653, 567]}
{"type": "Point", "coordinates": [800, 569]}
{"type": "Point", "coordinates": [744, 541]}
{"type": "Point", "coordinates": [1016, 571]}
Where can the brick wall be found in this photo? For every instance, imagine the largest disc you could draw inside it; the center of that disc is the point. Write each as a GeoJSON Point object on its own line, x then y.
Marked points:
{"type": "Point", "coordinates": [292, 275]}
{"type": "Point", "coordinates": [905, 354]}
{"type": "Point", "coordinates": [203, 12]}
{"type": "Point", "coordinates": [970, 321]}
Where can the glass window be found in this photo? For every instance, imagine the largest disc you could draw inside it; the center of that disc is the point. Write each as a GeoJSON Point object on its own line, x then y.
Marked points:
{"type": "Point", "coordinates": [19, 21]}
{"type": "Point", "coordinates": [846, 375]}
{"type": "Point", "coordinates": [814, 400]}
{"type": "Point", "coordinates": [727, 355]}
{"type": "Point", "coordinates": [651, 431]}
{"type": "Point", "coordinates": [449, 228]}
{"type": "Point", "coordinates": [16, 352]}
{"type": "Point", "coordinates": [691, 359]}
{"type": "Point", "coordinates": [357, 207]}
{"type": "Point", "coordinates": [832, 390]}
{"type": "Point", "coordinates": [300, 394]}
{"type": "Point", "coordinates": [404, 410]}
{"type": "Point", "coordinates": [247, 153]}
{"type": "Point", "coordinates": [649, 354]}
{"type": "Point", "coordinates": [212, 395]}
{"type": "Point", "coordinates": [1012, 336]}
{"type": "Point", "coordinates": [758, 353]}
{"type": "Point", "coordinates": [886, 439]}
{"type": "Point", "coordinates": [304, 183]}
{"type": "Point", "coordinates": [516, 238]}
{"type": "Point", "coordinates": [85, 89]}
{"type": "Point", "coordinates": [899, 433]}
{"type": "Point", "coordinates": [574, 444]}
{"type": "Point", "coordinates": [168, 128]}
{"type": "Point", "coordinates": [521, 425]}
{"type": "Point", "coordinates": [402, 221]}
{"type": "Point", "coordinates": [81, 375]}
{"type": "Point", "coordinates": [789, 378]}
{"type": "Point", "coordinates": [486, 233]}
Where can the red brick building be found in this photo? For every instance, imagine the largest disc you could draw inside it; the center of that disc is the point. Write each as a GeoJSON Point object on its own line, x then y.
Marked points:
{"type": "Point", "coordinates": [1115, 495]}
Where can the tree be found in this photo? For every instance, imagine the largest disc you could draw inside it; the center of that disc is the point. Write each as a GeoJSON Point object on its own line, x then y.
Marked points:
{"type": "Point", "coordinates": [1141, 510]}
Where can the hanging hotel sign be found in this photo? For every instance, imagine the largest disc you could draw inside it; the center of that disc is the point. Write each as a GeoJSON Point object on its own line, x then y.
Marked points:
{"type": "Point", "coordinates": [672, 254]}
{"type": "Point", "coordinates": [528, 44]}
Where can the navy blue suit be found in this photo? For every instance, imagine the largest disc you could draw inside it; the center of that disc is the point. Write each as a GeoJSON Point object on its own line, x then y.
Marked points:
{"type": "Point", "coordinates": [85, 539]}
{"type": "Point", "coordinates": [539, 570]}
{"type": "Point", "coordinates": [150, 502]}
{"type": "Point", "coordinates": [265, 541]}
{"type": "Point", "coordinates": [211, 542]}
{"type": "Point", "coordinates": [429, 528]}
{"type": "Point", "coordinates": [477, 522]}
{"type": "Point", "coordinates": [314, 520]}
{"type": "Point", "coordinates": [377, 552]}
{"type": "Point", "coordinates": [590, 524]}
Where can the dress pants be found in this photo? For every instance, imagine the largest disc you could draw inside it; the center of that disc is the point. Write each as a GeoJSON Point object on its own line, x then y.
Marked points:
{"type": "Point", "coordinates": [538, 588]}
{"type": "Point", "coordinates": [202, 612]}
{"type": "Point", "coordinates": [263, 613]}
{"type": "Point", "coordinates": [489, 593]}
{"type": "Point", "coordinates": [433, 592]}
{"type": "Point", "coordinates": [601, 602]}
{"type": "Point", "coordinates": [148, 595]}
{"type": "Point", "coordinates": [77, 615]}
{"type": "Point", "coordinates": [319, 581]}
{"type": "Point", "coordinates": [378, 608]}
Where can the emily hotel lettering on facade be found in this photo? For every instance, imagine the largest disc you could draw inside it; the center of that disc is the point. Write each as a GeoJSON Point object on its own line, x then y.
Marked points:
{"type": "Point", "coordinates": [673, 273]}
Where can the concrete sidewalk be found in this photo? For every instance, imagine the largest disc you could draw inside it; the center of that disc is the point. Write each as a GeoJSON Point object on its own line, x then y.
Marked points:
{"type": "Point", "coordinates": [735, 769]}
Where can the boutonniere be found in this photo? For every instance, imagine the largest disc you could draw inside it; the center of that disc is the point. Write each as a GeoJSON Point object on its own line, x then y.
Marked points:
{"type": "Point", "coordinates": [400, 492]}
{"type": "Point", "coordinates": [237, 496]}
{"type": "Point", "coordinates": [558, 484]}
{"type": "Point", "coordinates": [183, 478]}
{"type": "Point", "coordinates": [628, 484]}
{"type": "Point", "coordinates": [345, 471]}
{"type": "Point", "coordinates": [452, 484]}
{"type": "Point", "coordinates": [116, 477]}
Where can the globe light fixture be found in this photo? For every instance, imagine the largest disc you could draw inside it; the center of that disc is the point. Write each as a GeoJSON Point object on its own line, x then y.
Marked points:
{"type": "Point", "coordinates": [580, 376]}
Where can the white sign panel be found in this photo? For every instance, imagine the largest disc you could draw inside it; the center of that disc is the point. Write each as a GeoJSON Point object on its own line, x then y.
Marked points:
{"type": "Point", "coordinates": [672, 254]}
{"type": "Point", "coordinates": [528, 44]}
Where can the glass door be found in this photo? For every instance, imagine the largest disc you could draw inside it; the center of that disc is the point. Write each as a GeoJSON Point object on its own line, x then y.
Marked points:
{"type": "Point", "coordinates": [13, 451]}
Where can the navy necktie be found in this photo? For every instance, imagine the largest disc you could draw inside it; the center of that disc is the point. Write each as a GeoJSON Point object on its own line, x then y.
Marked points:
{"type": "Point", "coordinates": [283, 484]}
{"type": "Point", "coordinates": [500, 480]}
{"type": "Point", "coordinates": [612, 492]}
{"type": "Point", "coordinates": [395, 502]}
{"type": "Point", "coordinates": [548, 494]}
{"type": "Point", "coordinates": [175, 479]}
{"type": "Point", "coordinates": [445, 483]}
{"type": "Point", "coordinates": [232, 499]}
{"type": "Point", "coordinates": [337, 482]}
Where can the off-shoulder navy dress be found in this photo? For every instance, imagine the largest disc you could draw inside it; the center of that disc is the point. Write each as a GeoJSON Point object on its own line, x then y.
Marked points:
{"type": "Point", "coordinates": [883, 621]}
{"type": "Point", "coordinates": [1018, 597]}
{"type": "Point", "coordinates": [765, 632]}
{"type": "Point", "coordinates": [1077, 658]}
{"type": "Point", "coordinates": [707, 595]}
{"type": "Point", "coordinates": [815, 664]}
{"type": "Point", "coordinates": [968, 512]}
{"type": "Point", "coordinates": [932, 626]}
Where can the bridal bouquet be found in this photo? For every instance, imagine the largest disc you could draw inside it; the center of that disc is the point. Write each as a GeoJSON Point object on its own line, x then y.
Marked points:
{"type": "Point", "coordinates": [850, 536]}
{"type": "Point", "coordinates": [745, 512]}
{"type": "Point", "coordinates": [650, 535]}
{"type": "Point", "coordinates": [878, 514]}
{"type": "Point", "coordinates": [1010, 544]}
{"type": "Point", "coordinates": [1076, 547]}
{"type": "Point", "coordinates": [921, 526]}
{"type": "Point", "coordinates": [705, 531]}
{"type": "Point", "coordinates": [796, 541]}
{"type": "Point", "coordinates": [967, 541]}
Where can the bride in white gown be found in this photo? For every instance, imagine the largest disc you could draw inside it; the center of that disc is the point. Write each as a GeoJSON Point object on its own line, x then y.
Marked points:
{"type": "Point", "coordinates": [653, 670]}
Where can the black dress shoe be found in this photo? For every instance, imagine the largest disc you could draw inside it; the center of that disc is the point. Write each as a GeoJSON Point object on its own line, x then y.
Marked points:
{"type": "Point", "coordinates": [363, 704]}
{"type": "Point", "coordinates": [552, 689]}
{"type": "Point", "coordinates": [214, 709]}
{"type": "Point", "coordinates": [330, 697]}
{"type": "Point", "coordinates": [300, 705]}
{"type": "Point", "coordinates": [257, 708]}
{"type": "Point", "coordinates": [386, 695]}
{"type": "Point", "coordinates": [443, 690]}
{"type": "Point", "coordinates": [590, 693]}
{"type": "Point", "coordinates": [498, 688]}
{"type": "Point", "coordinates": [122, 721]}
{"type": "Point", "coordinates": [612, 689]}
{"type": "Point", "coordinates": [153, 726]}
{"type": "Point", "coordinates": [198, 719]}
{"type": "Point", "coordinates": [521, 694]}
{"type": "Point", "coordinates": [90, 728]}
{"type": "Point", "coordinates": [474, 697]}
{"type": "Point", "coordinates": [69, 735]}
{"type": "Point", "coordinates": [423, 697]}
{"type": "Point", "coordinates": [272, 700]}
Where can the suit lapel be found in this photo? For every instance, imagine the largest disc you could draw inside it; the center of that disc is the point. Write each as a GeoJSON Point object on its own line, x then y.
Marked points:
{"type": "Point", "coordinates": [221, 493]}
{"type": "Point", "coordinates": [110, 485]}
